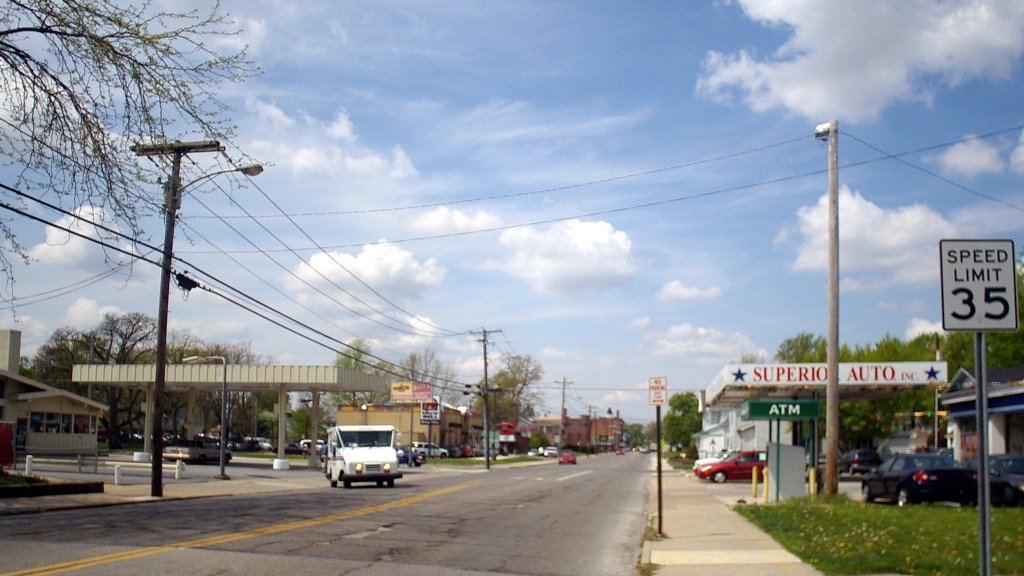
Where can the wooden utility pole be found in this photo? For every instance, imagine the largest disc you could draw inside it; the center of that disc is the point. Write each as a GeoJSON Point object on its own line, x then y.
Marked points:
{"type": "Point", "coordinates": [831, 131]}
{"type": "Point", "coordinates": [172, 199]}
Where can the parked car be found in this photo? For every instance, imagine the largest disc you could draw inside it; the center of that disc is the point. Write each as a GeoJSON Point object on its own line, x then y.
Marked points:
{"type": "Point", "coordinates": [431, 450]}
{"type": "Point", "coordinates": [909, 478]}
{"type": "Point", "coordinates": [195, 451]}
{"type": "Point", "coordinates": [701, 462]}
{"type": "Point", "coordinates": [739, 466]}
{"type": "Point", "coordinates": [551, 451]}
{"type": "Point", "coordinates": [1006, 480]}
{"type": "Point", "coordinates": [296, 448]}
{"type": "Point", "coordinates": [859, 461]}
{"type": "Point", "coordinates": [409, 457]}
{"type": "Point", "coordinates": [534, 452]}
{"type": "Point", "coordinates": [567, 457]}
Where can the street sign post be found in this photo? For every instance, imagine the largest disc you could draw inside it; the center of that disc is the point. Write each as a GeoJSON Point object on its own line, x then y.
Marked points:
{"type": "Point", "coordinates": [979, 294]}
{"type": "Point", "coordinates": [657, 387]}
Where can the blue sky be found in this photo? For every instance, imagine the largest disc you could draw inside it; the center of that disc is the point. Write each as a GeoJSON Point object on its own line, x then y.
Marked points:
{"type": "Point", "coordinates": [623, 189]}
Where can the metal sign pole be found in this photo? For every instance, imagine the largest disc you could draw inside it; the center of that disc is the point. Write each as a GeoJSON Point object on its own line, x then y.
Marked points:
{"type": "Point", "coordinates": [981, 403]}
{"type": "Point", "coordinates": [657, 427]}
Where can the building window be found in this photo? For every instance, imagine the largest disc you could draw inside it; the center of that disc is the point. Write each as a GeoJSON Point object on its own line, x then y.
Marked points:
{"type": "Point", "coordinates": [36, 422]}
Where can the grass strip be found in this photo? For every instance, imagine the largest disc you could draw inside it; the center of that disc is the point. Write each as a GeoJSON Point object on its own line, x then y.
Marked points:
{"type": "Point", "coordinates": [839, 536]}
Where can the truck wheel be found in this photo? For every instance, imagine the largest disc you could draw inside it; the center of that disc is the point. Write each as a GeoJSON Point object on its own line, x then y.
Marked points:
{"type": "Point", "coordinates": [380, 483]}
{"type": "Point", "coordinates": [334, 483]}
{"type": "Point", "coordinates": [346, 483]}
{"type": "Point", "coordinates": [391, 482]}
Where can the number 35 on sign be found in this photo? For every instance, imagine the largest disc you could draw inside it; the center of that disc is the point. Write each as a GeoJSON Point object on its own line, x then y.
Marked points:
{"type": "Point", "coordinates": [979, 286]}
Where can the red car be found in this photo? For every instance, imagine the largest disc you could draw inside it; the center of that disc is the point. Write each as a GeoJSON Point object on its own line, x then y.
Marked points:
{"type": "Point", "coordinates": [566, 457]}
{"type": "Point", "coordinates": [739, 466]}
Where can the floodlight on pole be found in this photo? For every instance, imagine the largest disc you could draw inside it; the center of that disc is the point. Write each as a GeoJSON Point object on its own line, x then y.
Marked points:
{"type": "Point", "coordinates": [223, 409]}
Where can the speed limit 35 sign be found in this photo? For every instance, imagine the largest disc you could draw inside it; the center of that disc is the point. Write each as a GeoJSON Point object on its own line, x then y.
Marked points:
{"type": "Point", "coordinates": [979, 286]}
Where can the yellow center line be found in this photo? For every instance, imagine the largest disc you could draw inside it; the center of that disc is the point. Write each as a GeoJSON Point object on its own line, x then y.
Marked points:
{"type": "Point", "coordinates": [232, 537]}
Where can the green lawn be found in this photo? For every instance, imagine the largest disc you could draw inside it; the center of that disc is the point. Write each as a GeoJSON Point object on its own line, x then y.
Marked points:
{"type": "Point", "coordinates": [839, 536]}
{"type": "Point", "coordinates": [13, 479]}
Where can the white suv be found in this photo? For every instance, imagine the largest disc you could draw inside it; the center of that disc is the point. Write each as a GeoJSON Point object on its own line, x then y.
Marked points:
{"type": "Point", "coordinates": [431, 450]}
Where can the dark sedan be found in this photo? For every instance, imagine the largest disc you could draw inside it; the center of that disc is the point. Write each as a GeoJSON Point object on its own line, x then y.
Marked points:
{"type": "Point", "coordinates": [859, 461]}
{"type": "Point", "coordinates": [910, 478]}
{"type": "Point", "coordinates": [1006, 480]}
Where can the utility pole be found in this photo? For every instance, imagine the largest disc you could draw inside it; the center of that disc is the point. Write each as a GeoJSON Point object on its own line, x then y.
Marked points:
{"type": "Point", "coordinates": [561, 417]}
{"type": "Point", "coordinates": [172, 199]}
{"type": "Point", "coordinates": [485, 396]}
{"type": "Point", "coordinates": [831, 132]}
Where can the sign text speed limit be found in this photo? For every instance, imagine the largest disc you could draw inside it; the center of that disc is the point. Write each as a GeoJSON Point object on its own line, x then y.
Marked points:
{"type": "Point", "coordinates": [979, 289]}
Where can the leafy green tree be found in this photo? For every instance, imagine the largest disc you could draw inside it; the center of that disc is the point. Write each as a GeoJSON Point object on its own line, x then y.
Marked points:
{"type": "Point", "coordinates": [635, 435]}
{"type": "Point", "coordinates": [83, 80]}
{"type": "Point", "coordinates": [682, 420]}
{"type": "Point", "coordinates": [358, 355]}
{"type": "Point", "coordinates": [514, 395]}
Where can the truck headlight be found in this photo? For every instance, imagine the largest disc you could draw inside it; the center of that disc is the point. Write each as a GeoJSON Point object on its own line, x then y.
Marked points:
{"type": "Point", "coordinates": [387, 467]}
{"type": "Point", "coordinates": [359, 468]}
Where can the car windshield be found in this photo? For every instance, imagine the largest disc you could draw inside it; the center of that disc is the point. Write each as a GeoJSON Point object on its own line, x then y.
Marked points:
{"type": "Point", "coordinates": [1014, 465]}
{"type": "Point", "coordinates": [366, 438]}
{"type": "Point", "coordinates": [932, 461]}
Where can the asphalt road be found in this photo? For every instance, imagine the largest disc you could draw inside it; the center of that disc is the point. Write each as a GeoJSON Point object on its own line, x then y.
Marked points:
{"type": "Point", "coordinates": [545, 520]}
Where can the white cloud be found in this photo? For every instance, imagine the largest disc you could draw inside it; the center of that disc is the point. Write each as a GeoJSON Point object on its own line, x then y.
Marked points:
{"type": "Point", "coordinates": [550, 352]}
{"type": "Point", "coordinates": [971, 158]}
{"type": "Point", "coordinates": [64, 248]}
{"type": "Point", "coordinates": [268, 112]}
{"type": "Point", "coordinates": [86, 314]}
{"type": "Point", "coordinates": [674, 291]}
{"type": "Point", "coordinates": [341, 128]}
{"type": "Point", "coordinates": [918, 326]}
{"type": "Point", "coordinates": [900, 244]}
{"type": "Point", "coordinates": [444, 220]}
{"type": "Point", "coordinates": [705, 345]}
{"type": "Point", "coordinates": [1017, 156]}
{"type": "Point", "coordinates": [641, 322]}
{"type": "Point", "coordinates": [852, 59]}
{"type": "Point", "coordinates": [389, 269]}
{"type": "Point", "coordinates": [568, 257]}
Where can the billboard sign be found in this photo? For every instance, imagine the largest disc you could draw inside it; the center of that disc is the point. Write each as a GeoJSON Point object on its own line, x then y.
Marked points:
{"type": "Point", "coordinates": [411, 392]}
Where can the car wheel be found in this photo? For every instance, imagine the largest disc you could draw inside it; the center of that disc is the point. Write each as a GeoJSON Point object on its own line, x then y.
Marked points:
{"type": "Point", "coordinates": [1009, 497]}
{"type": "Point", "coordinates": [202, 458]}
{"type": "Point", "coordinates": [380, 483]}
{"type": "Point", "coordinates": [865, 493]}
{"type": "Point", "coordinates": [334, 483]}
{"type": "Point", "coordinates": [903, 497]}
{"type": "Point", "coordinates": [719, 477]}
{"type": "Point", "coordinates": [391, 482]}
{"type": "Point", "coordinates": [346, 483]}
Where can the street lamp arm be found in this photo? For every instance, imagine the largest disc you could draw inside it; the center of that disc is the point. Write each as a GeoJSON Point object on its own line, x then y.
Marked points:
{"type": "Point", "coordinates": [249, 170]}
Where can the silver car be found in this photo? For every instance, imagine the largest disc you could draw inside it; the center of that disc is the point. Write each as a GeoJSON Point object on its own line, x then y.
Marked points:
{"type": "Point", "coordinates": [195, 451]}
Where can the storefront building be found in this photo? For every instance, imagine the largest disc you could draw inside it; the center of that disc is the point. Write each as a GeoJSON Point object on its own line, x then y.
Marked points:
{"type": "Point", "coordinates": [46, 420]}
{"type": "Point", "coordinates": [1005, 392]}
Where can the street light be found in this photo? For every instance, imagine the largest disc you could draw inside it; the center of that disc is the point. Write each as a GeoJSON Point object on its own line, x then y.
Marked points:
{"type": "Point", "coordinates": [172, 197]}
{"type": "Point", "coordinates": [223, 409]}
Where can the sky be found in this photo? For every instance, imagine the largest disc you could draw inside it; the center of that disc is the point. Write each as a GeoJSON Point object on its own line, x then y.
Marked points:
{"type": "Point", "coordinates": [619, 190]}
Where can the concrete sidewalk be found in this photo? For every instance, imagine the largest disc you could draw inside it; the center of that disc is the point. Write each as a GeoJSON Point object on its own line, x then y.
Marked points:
{"type": "Point", "coordinates": [702, 535]}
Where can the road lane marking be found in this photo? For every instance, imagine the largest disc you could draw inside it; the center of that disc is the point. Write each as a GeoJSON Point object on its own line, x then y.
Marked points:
{"type": "Point", "coordinates": [571, 476]}
{"type": "Point", "coordinates": [232, 537]}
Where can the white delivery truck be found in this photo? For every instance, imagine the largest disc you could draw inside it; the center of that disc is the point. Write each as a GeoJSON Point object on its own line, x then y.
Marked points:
{"type": "Point", "coordinates": [361, 454]}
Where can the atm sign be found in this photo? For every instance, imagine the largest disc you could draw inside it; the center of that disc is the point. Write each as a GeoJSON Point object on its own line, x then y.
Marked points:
{"type": "Point", "coordinates": [781, 410]}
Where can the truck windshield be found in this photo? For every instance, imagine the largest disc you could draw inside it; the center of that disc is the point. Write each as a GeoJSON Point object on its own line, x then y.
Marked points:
{"type": "Point", "coordinates": [366, 438]}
